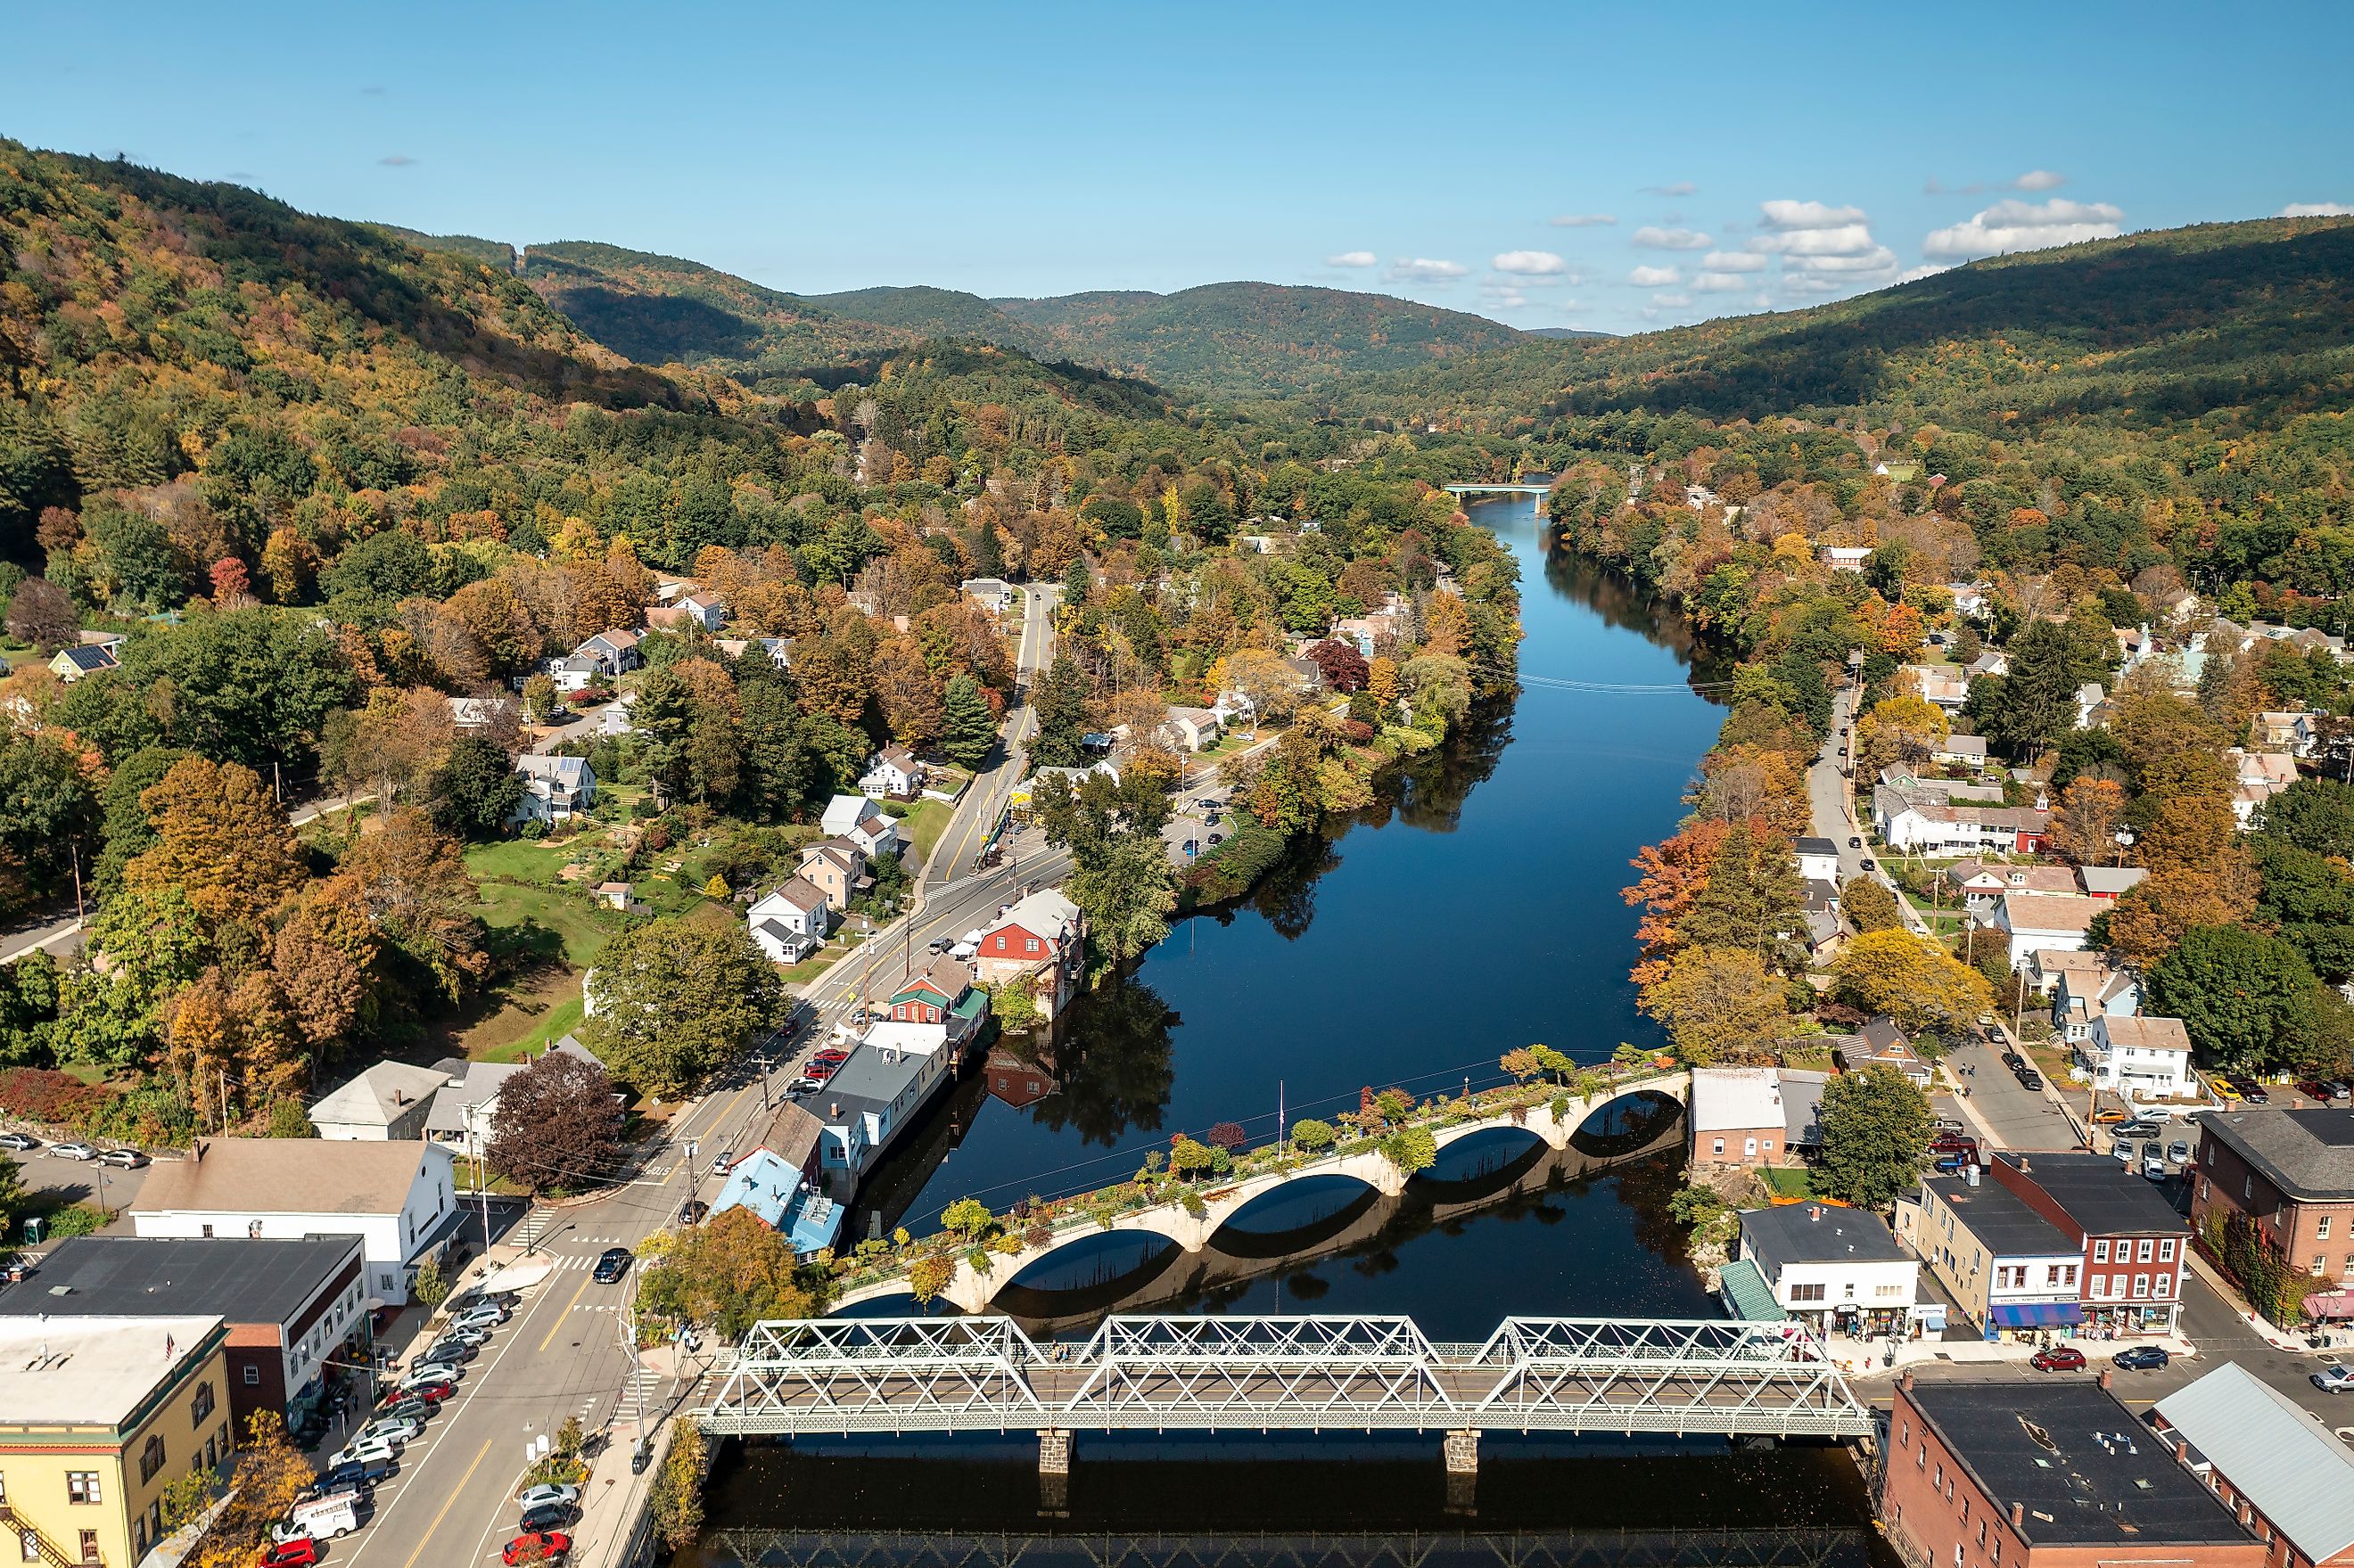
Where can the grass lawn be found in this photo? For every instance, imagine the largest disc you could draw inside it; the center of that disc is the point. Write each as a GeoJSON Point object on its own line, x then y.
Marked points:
{"type": "Point", "coordinates": [545, 918]}
{"type": "Point", "coordinates": [922, 826]}
{"type": "Point", "coordinates": [533, 861]}
{"type": "Point", "coordinates": [809, 969]}
{"type": "Point", "coordinates": [1786, 1182]}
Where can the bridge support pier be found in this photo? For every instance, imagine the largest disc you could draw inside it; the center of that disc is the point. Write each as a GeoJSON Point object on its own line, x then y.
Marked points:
{"type": "Point", "coordinates": [1053, 1473]}
{"type": "Point", "coordinates": [1462, 1455]}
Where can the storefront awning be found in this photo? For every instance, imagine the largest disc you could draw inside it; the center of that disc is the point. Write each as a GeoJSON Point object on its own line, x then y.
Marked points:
{"type": "Point", "coordinates": [2330, 1304]}
{"type": "Point", "coordinates": [2039, 1315]}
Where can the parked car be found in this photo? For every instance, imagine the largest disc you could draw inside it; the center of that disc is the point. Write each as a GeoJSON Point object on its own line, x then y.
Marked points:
{"type": "Point", "coordinates": [394, 1429]}
{"type": "Point", "coordinates": [804, 1085]}
{"type": "Point", "coordinates": [73, 1150]}
{"type": "Point", "coordinates": [473, 1338]}
{"type": "Point", "coordinates": [2139, 1128]}
{"type": "Point", "coordinates": [290, 1554]}
{"type": "Point", "coordinates": [693, 1212]}
{"type": "Point", "coordinates": [832, 1054]}
{"type": "Point", "coordinates": [611, 1264]}
{"type": "Point", "coordinates": [2057, 1358]}
{"type": "Point", "coordinates": [2225, 1087]}
{"type": "Point", "coordinates": [2178, 1153]}
{"type": "Point", "coordinates": [22, 1142]}
{"type": "Point", "coordinates": [939, 944]}
{"type": "Point", "coordinates": [1855, 844]}
{"type": "Point", "coordinates": [451, 1348]}
{"type": "Point", "coordinates": [537, 1546]}
{"type": "Point", "coordinates": [2334, 1380]}
{"type": "Point", "coordinates": [363, 1451]}
{"type": "Point", "coordinates": [1216, 839]}
{"type": "Point", "coordinates": [722, 1160]}
{"type": "Point", "coordinates": [432, 1371]}
{"type": "Point", "coordinates": [2153, 1168]}
{"type": "Point", "coordinates": [545, 1517]}
{"type": "Point", "coordinates": [2141, 1358]}
{"type": "Point", "coordinates": [487, 1316]}
{"type": "Point", "coordinates": [128, 1158]}
{"type": "Point", "coordinates": [359, 1473]}
{"type": "Point", "coordinates": [432, 1392]}
{"type": "Point", "coordinates": [2339, 1092]}
{"type": "Point", "coordinates": [2029, 1078]}
{"type": "Point", "coordinates": [548, 1492]}
{"type": "Point", "coordinates": [821, 1071]}
{"type": "Point", "coordinates": [1869, 864]}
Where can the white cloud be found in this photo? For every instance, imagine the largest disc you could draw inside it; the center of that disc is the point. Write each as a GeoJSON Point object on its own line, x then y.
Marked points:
{"type": "Point", "coordinates": [1584, 219]}
{"type": "Point", "coordinates": [1656, 238]}
{"type": "Point", "coordinates": [1679, 188]}
{"type": "Point", "coordinates": [2009, 226]}
{"type": "Point", "coordinates": [1503, 294]}
{"type": "Point", "coordinates": [1915, 274]}
{"type": "Point", "coordinates": [1351, 259]}
{"type": "Point", "coordinates": [1654, 277]}
{"type": "Point", "coordinates": [2316, 209]}
{"type": "Point", "coordinates": [1879, 258]}
{"type": "Point", "coordinates": [2039, 180]}
{"type": "Point", "coordinates": [1709, 283]}
{"type": "Point", "coordinates": [1808, 215]}
{"type": "Point", "coordinates": [1530, 261]}
{"type": "Point", "coordinates": [1550, 280]}
{"type": "Point", "coordinates": [1846, 239]}
{"type": "Point", "coordinates": [1734, 261]}
{"type": "Point", "coordinates": [1423, 270]}
{"type": "Point", "coordinates": [1677, 301]}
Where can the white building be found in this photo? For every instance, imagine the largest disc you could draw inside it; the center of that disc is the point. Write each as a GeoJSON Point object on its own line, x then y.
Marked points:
{"type": "Point", "coordinates": [1846, 558]}
{"type": "Point", "coordinates": [892, 774]}
{"type": "Point", "coordinates": [2141, 1058]}
{"type": "Point", "coordinates": [994, 593]}
{"type": "Point", "coordinates": [555, 789]}
{"type": "Point", "coordinates": [1833, 1268]}
{"type": "Point", "coordinates": [1817, 861]}
{"type": "Point", "coordinates": [789, 922]}
{"type": "Point", "coordinates": [397, 1198]}
{"type": "Point", "coordinates": [2054, 920]}
{"type": "Point", "coordinates": [864, 823]}
{"type": "Point", "coordinates": [388, 1102]}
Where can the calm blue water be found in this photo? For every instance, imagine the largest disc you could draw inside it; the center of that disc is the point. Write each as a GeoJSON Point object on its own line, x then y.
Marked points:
{"type": "Point", "coordinates": [1476, 912]}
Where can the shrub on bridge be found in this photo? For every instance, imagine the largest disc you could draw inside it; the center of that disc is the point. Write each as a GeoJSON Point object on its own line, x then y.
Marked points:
{"type": "Point", "coordinates": [1310, 1136]}
{"type": "Point", "coordinates": [928, 1277]}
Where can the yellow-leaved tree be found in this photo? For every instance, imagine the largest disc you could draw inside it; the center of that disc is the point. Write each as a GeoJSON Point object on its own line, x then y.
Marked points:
{"type": "Point", "coordinates": [1915, 982]}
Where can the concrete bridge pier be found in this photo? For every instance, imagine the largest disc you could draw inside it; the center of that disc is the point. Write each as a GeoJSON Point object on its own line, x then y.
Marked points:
{"type": "Point", "coordinates": [1053, 1473]}
{"type": "Point", "coordinates": [1462, 1454]}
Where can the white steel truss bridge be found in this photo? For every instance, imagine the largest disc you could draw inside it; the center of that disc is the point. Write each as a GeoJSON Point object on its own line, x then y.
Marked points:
{"type": "Point", "coordinates": [1308, 1374]}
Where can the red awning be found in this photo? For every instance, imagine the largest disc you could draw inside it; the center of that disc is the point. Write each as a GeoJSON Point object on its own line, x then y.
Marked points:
{"type": "Point", "coordinates": [2330, 1304]}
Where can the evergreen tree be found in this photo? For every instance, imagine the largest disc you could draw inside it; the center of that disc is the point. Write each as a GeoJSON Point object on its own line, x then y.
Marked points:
{"type": "Point", "coordinates": [475, 789]}
{"type": "Point", "coordinates": [1061, 697]}
{"type": "Point", "coordinates": [971, 727]}
{"type": "Point", "coordinates": [1754, 898]}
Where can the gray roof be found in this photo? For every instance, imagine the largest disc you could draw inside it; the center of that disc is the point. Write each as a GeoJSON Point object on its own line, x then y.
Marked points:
{"type": "Point", "coordinates": [2082, 1465]}
{"type": "Point", "coordinates": [1816, 846]}
{"type": "Point", "coordinates": [869, 1081]}
{"type": "Point", "coordinates": [378, 1096]}
{"type": "Point", "coordinates": [1815, 1233]}
{"type": "Point", "coordinates": [1802, 1107]}
{"type": "Point", "coordinates": [246, 1280]}
{"type": "Point", "coordinates": [2307, 1154]}
{"type": "Point", "coordinates": [2001, 1220]}
{"type": "Point", "coordinates": [2264, 1443]}
{"type": "Point", "coordinates": [2101, 1196]}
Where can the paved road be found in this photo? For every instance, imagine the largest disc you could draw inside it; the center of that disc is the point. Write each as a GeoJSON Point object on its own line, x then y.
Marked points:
{"type": "Point", "coordinates": [2018, 1117]}
{"type": "Point", "coordinates": [77, 1181]}
{"type": "Point", "coordinates": [1828, 794]}
{"type": "Point", "coordinates": [985, 798]}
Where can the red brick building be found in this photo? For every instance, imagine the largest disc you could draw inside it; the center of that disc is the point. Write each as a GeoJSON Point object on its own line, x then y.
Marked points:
{"type": "Point", "coordinates": [2056, 1473]}
{"type": "Point", "coordinates": [2291, 1173]}
{"type": "Point", "coordinates": [2137, 1249]}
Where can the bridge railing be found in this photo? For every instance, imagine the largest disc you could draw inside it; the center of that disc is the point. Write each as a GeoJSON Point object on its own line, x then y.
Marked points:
{"type": "Point", "coordinates": [1292, 1372]}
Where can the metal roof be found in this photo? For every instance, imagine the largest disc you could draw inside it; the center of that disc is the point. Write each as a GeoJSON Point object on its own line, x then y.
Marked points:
{"type": "Point", "coordinates": [1748, 1298]}
{"type": "Point", "coordinates": [2261, 1441]}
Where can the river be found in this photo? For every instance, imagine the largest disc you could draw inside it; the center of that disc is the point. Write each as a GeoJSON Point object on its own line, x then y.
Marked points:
{"type": "Point", "coordinates": [1476, 910]}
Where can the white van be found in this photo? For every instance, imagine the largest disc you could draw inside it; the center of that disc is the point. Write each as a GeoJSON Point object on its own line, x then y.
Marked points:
{"type": "Point", "coordinates": [324, 1519]}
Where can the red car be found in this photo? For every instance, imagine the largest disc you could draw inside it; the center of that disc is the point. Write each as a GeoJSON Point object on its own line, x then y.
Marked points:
{"type": "Point", "coordinates": [2057, 1358]}
{"type": "Point", "coordinates": [433, 1392]}
{"type": "Point", "coordinates": [539, 1546]}
{"type": "Point", "coordinates": [821, 1071]}
{"type": "Point", "coordinates": [290, 1554]}
{"type": "Point", "coordinates": [831, 1054]}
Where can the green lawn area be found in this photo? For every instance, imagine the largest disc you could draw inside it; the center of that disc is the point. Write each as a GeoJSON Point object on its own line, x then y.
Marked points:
{"type": "Point", "coordinates": [922, 825]}
{"type": "Point", "coordinates": [519, 860]}
{"type": "Point", "coordinates": [521, 1027]}
{"type": "Point", "coordinates": [1786, 1182]}
{"type": "Point", "coordinates": [579, 928]}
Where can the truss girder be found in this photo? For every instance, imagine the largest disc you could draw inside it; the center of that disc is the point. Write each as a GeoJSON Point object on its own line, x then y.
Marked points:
{"type": "Point", "coordinates": [1306, 1372]}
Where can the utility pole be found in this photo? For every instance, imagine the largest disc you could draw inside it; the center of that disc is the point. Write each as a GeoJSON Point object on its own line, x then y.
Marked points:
{"type": "Point", "coordinates": [79, 913]}
{"type": "Point", "coordinates": [482, 1188]}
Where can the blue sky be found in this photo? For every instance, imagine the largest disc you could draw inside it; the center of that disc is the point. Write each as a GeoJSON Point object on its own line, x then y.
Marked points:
{"type": "Point", "coordinates": [1715, 158]}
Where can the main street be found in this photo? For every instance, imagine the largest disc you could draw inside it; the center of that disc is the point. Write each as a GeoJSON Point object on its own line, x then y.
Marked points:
{"type": "Point", "coordinates": [986, 797]}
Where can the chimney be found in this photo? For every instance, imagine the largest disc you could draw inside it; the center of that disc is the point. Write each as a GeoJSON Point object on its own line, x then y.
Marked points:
{"type": "Point", "coordinates": [833, 1109]}
{"type": "Point", "coordinates": [1814, 1213]}
{"type": "Point", "coordinates": [197, 1152]}
{"type": "Point", "coordinates": [2023, 1166]}
{"type": "Point", "coordinates": [2104, 1377]}
{"type": "Point", "coordinates": [2019, 1516]}
{"type": "Point", "coordinates": [2181, 1451]}
{"type": "Point", "coordinates": [1905, 1382]}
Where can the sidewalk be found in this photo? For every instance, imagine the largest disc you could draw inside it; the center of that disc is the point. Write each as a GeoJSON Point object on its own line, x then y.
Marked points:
{"type": "Point", "coordinates": [1863, 1358]}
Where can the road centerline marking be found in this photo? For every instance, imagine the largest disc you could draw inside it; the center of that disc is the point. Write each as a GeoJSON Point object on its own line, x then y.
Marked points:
{"type": "Point", "coordinates": [448, 1503]}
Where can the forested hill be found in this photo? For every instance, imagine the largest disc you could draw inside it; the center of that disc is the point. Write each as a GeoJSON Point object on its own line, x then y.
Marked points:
{"type": "Point", "coordinates": [1226, 340]}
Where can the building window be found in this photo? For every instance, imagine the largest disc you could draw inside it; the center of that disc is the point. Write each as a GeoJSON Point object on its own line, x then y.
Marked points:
{"type": "Point", "coordinates": [1032, 945]}
{"type": "Point", "coordinates": [1806, 1292]}
{"type": "Point", "coordinates": [2100, 1283]}
{"type": "Point", "coordinates": [2068, 1275]}
{"type": "Point", "coordinates": [1720, 1146]}
{"type": "Point", "coordinates": [2166, 1251]}
{"type": "Point", "coordinates": [89, 1547]}
{"type": "Point", "coordinates": [81, 1486]}
{"type": "Point", "coordinates": [252, 1229]}
{"type": "Point", "coordinates": [2158, 1286]}
{"type": "Point", "coordinates": [29, 1542]}
{"type": "Point", "coordinates": [151, 1457]}
{"type": "Point", "coordinates": [2321, 1228]}
{"type": "Point", "coordinates": [201, 1405]}
{"type": "Point", "coordinates": [208, 1232]}
{"type": "Point", "coordinates": [2206, 1189]}
{"type": "Point", "coordinates": [252, 1375]}
{"type": "Point", "coordinates": [2320, 1264]}
{"type": "Point", "coordinates": [2100, 1251]}
{"type": "Point", "coordinates": [2141, 1287]}
{"type": "Point", "coordinates": [2142, 1254]}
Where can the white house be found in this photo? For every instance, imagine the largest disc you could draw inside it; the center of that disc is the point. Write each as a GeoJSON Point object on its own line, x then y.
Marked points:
{"type": "Point", "coordinates": [1833, 1268]}
{"type": "Point", "coordinates": [386, 1102]}
{"type": "Point", "coordinates": [1817, 861]}
{"type": "Point", "coordinates": [2084, 992]}
{"type": "Point", "coordinates": [892, 774]}
{"type": "Point", "coordinates": [2034, 920]}
{"type": "Point", "coordinates": [553, 788]}
{"type": "Point", "coordinates": [2294, 733]}
{"type": "Point", "coordinates": [790, 921]}
{"type": "Point", "coordinates": [1942, 687]}
{"type": "Point", "coordinates": [467, 1101]}
{"type": "Point", "coordinates": [575, 674]}
{"type": "Point", "coordinates": [468, 713]}
{"type": "Point", "coordinates": [2089, 698]}
{"type": "Point", "coordinates": [2258, 776]}
{"type": "Point", "coordinates": [1982, 883]}
{"type": "Point", "coordinates": [1962, 750]}
{"type": "Point", "coordinates": [705, 609]}
{"type": "Point", "coordinates": [1193, 727]}
{"type": "Point", "coordinates": [863, 822]}
{"type": "Point", "coordinates": [995, 593]}
{"type": "Point", "coordinates": [1918, 816]}
{"type": "Point", "coordinates": [2141, 1058]}
{"type": "Point", "coordinates": [1846, 558]}
{"type": "Point", "coordinates": [397, 1198]}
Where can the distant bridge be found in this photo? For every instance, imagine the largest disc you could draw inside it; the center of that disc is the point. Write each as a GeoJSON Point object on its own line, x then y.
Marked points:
{"type": "Point", "coordinates": [1311, 1373]}
{"type": "Point", "coordinates": [1539, 485]}
{"type": "Point", "coordinates": [974, 1290]}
